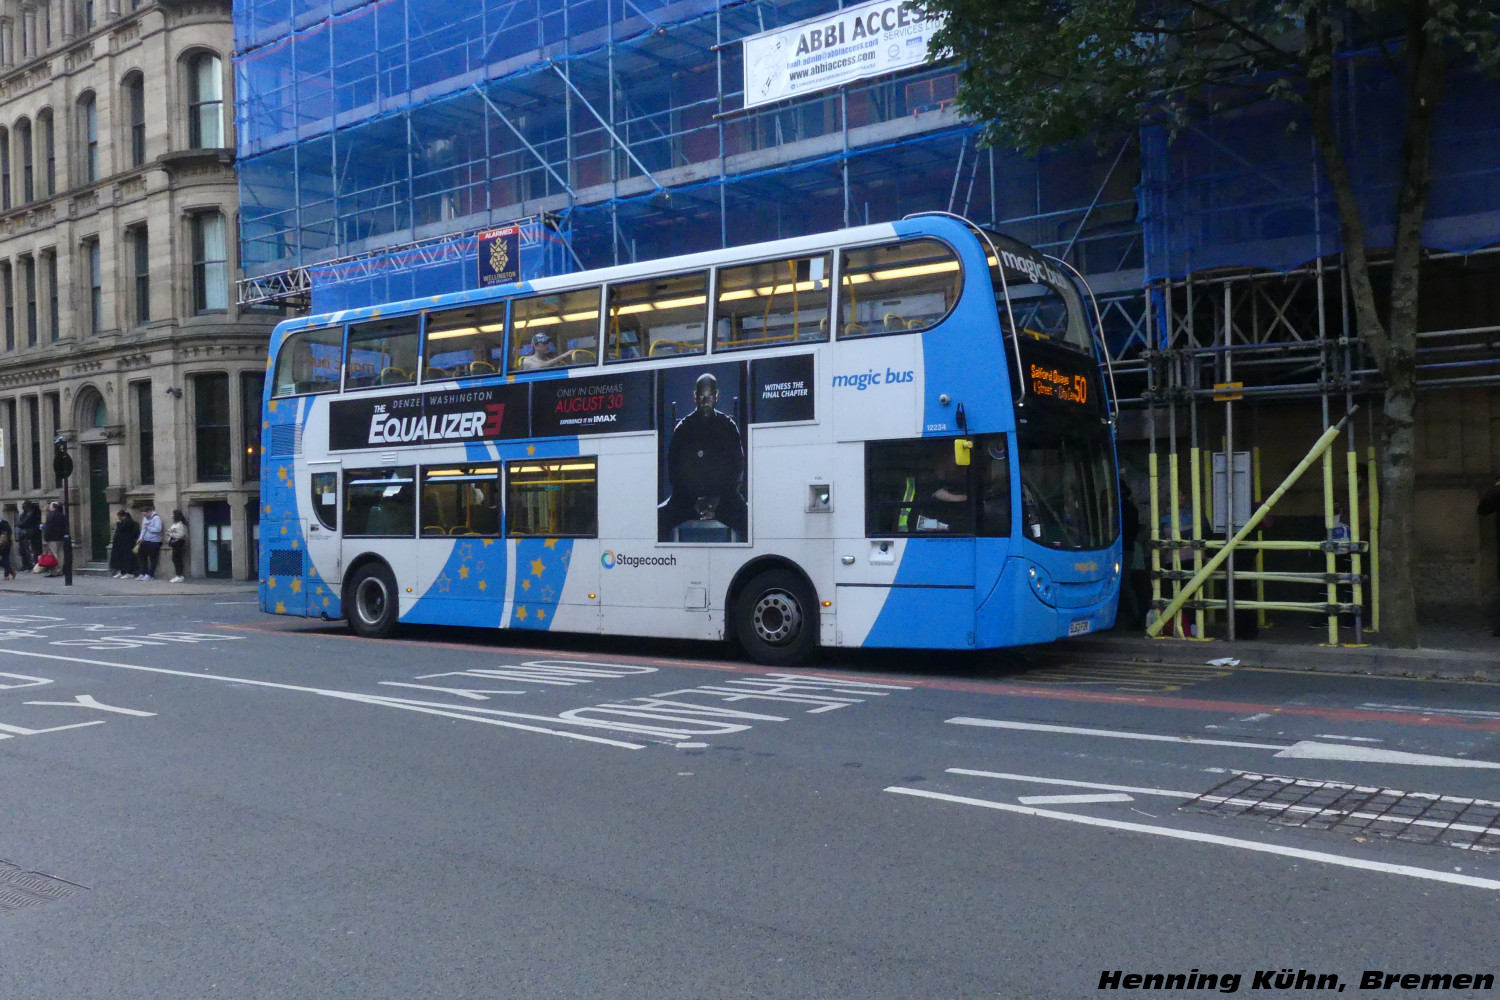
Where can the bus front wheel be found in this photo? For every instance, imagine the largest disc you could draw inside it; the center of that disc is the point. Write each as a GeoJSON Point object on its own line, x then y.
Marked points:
{"type": "Point", "coordinates": [372, 604]}
{"type": "Point", "coordinates": [776, 619]}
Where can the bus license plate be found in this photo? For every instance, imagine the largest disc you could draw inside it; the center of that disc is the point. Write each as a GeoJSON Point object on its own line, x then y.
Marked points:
{"type": "Point", "coordinates": [1079, 626]}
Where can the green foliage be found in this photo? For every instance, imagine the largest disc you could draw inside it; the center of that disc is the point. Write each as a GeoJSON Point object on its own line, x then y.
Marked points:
{"type": "Point", "coordinates": [1042, 72]}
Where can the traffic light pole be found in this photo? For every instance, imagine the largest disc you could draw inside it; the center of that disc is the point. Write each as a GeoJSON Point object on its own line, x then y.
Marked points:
{"type": "Point", "coordinates": [62, 465]}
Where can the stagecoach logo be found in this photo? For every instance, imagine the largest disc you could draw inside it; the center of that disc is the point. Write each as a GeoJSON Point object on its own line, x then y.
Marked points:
{"type": "Point", "coordinates": [386, 428]}
{"type": "Point", "coordinates": [611, 559]}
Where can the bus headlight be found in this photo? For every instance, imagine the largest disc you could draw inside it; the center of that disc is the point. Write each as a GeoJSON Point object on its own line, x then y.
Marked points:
{"type": "Point", "coordinates": [1041, 582]}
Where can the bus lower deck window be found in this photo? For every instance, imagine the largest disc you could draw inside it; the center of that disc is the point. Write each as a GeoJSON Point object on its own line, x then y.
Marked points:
{"type": "Point", "coordinates": [552, 498]}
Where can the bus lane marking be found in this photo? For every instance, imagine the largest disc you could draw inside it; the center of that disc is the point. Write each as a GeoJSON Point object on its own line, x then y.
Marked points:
{"type": "Point", "coordinates": [19, 682]}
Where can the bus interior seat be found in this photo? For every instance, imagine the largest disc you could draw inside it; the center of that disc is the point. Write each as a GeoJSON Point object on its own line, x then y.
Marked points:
{"type": "Point", "coordinates": [853, 330]}
{"type": "Point", "coordinates": [894, 322]}
{"type": "Point", "coordinates": [918, 324]}
{"type": "Point", "coordinates": [394, 376]}
{"type": "Point", "coordinates": [481, 368]}
{"type": "Point", "coordinates": [667, 348]}
{"type": "Point", "coordinates": [436, 373]}
{"type": "Point", "coordinates": [433, 529]}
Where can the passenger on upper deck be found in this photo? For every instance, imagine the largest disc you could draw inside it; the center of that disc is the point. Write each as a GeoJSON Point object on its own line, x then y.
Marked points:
{"type": "Point", "coordinates": [541, 354]}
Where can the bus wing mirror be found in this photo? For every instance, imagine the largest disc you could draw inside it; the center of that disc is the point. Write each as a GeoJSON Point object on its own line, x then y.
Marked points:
{"type": "Point", "coordinates": [961, 449]}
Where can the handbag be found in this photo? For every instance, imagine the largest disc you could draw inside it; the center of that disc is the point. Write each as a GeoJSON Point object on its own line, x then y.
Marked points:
{"type": "Point", "coordinates": [47, 560]}
{"type": "Point", "coordinates": [137, 549]}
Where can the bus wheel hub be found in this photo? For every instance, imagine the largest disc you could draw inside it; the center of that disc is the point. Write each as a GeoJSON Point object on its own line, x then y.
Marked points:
{"type": "Point", "coordinates": [777, 618]}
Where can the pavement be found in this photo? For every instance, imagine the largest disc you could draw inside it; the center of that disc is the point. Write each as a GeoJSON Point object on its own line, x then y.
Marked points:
{"type": "Point", "coordinates": [1450, 648]}
{"type": "Point", "coordinates": [90, 581]}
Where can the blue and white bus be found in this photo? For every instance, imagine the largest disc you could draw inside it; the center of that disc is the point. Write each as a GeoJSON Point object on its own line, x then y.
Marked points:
{"type": "Point", "coordinates": [897, 435]}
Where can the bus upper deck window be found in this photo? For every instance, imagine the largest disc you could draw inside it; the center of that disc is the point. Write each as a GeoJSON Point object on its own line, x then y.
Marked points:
{"type": "Point", "coordinates": [466, 341]}
{"type": "Point", "coordinates": [772, 302]}
{"type": "Point", "coordinates": [559, 330]}
{"type": "Point", "coordinates": [309, 362]}
{"type": "Point", "coordinates": [660, 317]}
{"type": "Point", "coordinates": [382, 352]}
{"type": "Point", "coordinates": [896, 288]}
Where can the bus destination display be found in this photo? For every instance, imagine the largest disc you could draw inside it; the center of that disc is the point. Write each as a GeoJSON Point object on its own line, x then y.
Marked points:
{"type": "Point", "coordinates": [1052, 382]}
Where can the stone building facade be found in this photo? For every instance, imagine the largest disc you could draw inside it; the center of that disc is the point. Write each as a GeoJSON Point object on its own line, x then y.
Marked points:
{"type": "Point", "coordinates": [118, 241]}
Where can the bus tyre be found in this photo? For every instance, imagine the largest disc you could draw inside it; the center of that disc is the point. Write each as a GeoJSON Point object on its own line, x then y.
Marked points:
{"type": "Point", "coordinates": [776, 619]}
{"type": "Point", "coordinates": [373, 605]}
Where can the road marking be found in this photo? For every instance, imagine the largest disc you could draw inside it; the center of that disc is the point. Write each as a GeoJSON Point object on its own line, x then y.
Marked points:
{"type": "Point", "coordinates": [1306, 750]}
{"type": "Point", "coordinates": [1422, 710]}
{"type": "Point", "coordinates": [223, 603]}
{"type": "Point", "coordinates": [1244, 803]}
{"type": "Point", "coordinates": [1301, 750]}
{"type": "Point", "coordinates": [1078, 800]}
{"type": "Point", "coordinates": [1453, 878]}
{"type": "Point", "coordinates": [1356, 739]}
{"type": "Point", "coordinates": [1039, 727]}
{"type": "Point", "coordinates": [425, 708]}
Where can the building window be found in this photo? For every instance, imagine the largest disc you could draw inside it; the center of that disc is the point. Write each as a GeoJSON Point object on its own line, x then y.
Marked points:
{"type": "Point", "coordinates": [211, 420]}
{"type": "Point", "coordinates": [8, 287]}
{"type": "Point", "coordinates": [210, 263]}
{"type": "Point", "coordinates": [12, 441]}
{"type": "Point", "coordinates": [205, 102]}
{"type": "Point", "coordinates": [145, 437]}
{"type": "Point", "coordinates": [54, 410]}
{"type": "Point", "coordinates": [49, 150]}
{"type": "Point", "coordinates": [88, 15]}
{"type": "Point", "coordinates": [252, 387]}
{"type": "Point", "coordinates": [28, 289]}
{"type": "Point", "coordinates": [34, 428]}
{"type": "Point", "coordinates": [140, 252]}
{"type": "Point", "coordinates": [49, 274]}
{"type": "Point", "coordinates": [28, 182]}
{"type": "Point", "coordinates": [94, 270]}
{"type": "Point", "coordinates": [135, 107]}
{"type": "Point", "coordinates": [4, 168]}
{"type": "Point", "coordinates": [88, 138]}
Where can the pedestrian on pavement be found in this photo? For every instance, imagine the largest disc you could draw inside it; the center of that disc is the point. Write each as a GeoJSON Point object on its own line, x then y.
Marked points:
{"type": "Point", "coordinates": [177, 539]}
{"type": "Point", "coordinates": [55, 535]}
{"type": "Point", "coordinates": [122, 549]}
{"type": "Point", "coordinates": [1489, 503]}
{"type": "Point", "coordinates": [151, 533]}
{"type": "Point", "coordinates": [7, 549]}
{"type": "Point", "coordinates": [29, 534]}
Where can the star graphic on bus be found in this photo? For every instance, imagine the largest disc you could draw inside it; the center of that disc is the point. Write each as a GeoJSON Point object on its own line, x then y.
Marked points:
{"type": "Point", "coordinates": [548, 594]}
{"type": "Point", "coordinates": [541, 613]}
{"type": "Point", "coordinates": [444, 583]}
{"type": "Point", "coordinates": [521, 613]}
{"type": "Point", "coordinates": [538, 567]}
{"type": "Point", "coordinates": [281, 472]}
{"type": "Point", "coordinates": [463, 572]}
{"type": "Point", "coordinates": [483, 585]}
{"type": "Point", "coordinates": [296, 586]}
{"type": "Point", "coordinates": [280, 608]}
{"type": "Point", "coordinates": [550, 543]}
{"type": "Point", "coordinates": [525, 584]}
{"type": "Point", "coordinates": [466, 551]}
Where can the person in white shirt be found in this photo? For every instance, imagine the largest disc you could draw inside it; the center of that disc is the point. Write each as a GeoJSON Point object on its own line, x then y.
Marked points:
{"type": "Point", "coordinates": [177, 542]}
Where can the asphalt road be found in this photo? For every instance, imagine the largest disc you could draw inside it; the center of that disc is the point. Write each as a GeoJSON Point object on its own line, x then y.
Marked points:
{"type": "Point", "coordinates": [203, 801]}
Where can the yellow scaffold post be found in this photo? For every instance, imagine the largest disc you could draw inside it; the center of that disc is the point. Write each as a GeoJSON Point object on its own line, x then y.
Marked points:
{"type": "Point", "coordinates": [1319, 450]}
{"type": "Point", "coordinates": [1374, 488]}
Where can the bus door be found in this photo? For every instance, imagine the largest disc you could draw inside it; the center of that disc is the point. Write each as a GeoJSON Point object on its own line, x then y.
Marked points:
{"type": "Point", "coordinates": [319, 510]}
{"type": "Point", "coordinates": [909, 581]}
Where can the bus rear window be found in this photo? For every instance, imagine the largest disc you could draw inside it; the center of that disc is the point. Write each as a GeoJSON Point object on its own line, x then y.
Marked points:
{"type": "Point", "coordinates": [552, 498]}
{"type": "Point", "coordinates": [662, 317]}
{"type": "Point", "coordinates": [466, 341]}
{"type": "Point", "coordinates": [901, 287]}
{"type": "Point", "coordinates": [382, 352]}
{"type": "Point", "coordinates": [555, 331]}
{"type": "Point", "coordinates": [309, 362]}
{"type": "Point", "coordinates": [772, 302]}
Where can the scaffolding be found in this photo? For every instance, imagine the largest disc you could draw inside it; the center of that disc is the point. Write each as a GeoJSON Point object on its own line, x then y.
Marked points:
{"type": "Point", "coordinates": [364, 127]}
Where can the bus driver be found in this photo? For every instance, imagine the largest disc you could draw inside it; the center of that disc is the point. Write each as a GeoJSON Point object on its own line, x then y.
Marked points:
{"type": "Point", "coordinates": [705, 466]}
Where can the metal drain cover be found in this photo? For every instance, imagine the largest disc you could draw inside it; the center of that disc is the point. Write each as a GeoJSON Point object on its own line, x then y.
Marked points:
{"type": "Point", "coordinates": [20, 888]}
{"type": "Point", "coordinates": [1416, 817]}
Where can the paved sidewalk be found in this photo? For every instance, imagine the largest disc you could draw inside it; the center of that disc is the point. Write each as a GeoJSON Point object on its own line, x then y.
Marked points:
{"type": "Point", "coordinates": [1450, 650]}
{"type": "Point", "coordinates": [91, 582]}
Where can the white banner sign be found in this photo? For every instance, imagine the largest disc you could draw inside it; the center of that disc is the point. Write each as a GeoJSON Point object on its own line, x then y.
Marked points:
{"type": "Point", "coordinates": [851, 44]}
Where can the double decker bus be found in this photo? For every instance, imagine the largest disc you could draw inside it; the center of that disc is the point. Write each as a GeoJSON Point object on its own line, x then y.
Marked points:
{"type": "Point", "coordinates": [895, 435]}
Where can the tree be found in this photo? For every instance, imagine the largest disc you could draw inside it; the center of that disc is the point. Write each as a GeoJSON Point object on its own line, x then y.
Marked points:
{"type": "Point", "coordinates": [1042, 72]}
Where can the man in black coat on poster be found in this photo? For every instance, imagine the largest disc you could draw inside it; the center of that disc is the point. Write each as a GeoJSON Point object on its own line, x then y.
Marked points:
{"type": "Point", "coordinates": [705, 467]}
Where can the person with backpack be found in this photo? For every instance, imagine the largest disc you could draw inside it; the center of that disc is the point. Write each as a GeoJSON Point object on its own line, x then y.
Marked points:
{"type": "Point", "coordinates": [151, 533]}
{"type": "Point", "coordinates": [6, 549]}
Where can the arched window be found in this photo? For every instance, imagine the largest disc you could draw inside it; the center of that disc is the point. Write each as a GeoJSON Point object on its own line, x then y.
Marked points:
{"type": "Point", "coordinates": [88, 139]}
{"type": "Point", "coordinates": [135, 117]}
{"type": "Point", "coordinates": [205, 101]}
{"type": "Point", "coordinates": [23, 143]}
{"type": "Point", "coordinates": [210, 262]}
{"type": "Point", "coordinates": [100, 415]}
{"type": "Point", "coordinates": [48, 130]}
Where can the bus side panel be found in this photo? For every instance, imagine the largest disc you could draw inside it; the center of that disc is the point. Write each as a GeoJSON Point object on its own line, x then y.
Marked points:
{"type": "Point", "coordinates": [931, 602]}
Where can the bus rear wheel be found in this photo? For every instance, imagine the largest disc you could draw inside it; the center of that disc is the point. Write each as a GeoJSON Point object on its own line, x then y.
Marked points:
{"type": "Point", "coordinates": [776, 619]}
{"type": "Point", "coordinates": [373, 605]}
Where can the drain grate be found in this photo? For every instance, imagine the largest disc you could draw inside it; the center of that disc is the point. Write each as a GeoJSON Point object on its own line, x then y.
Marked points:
{"type": "Point", "coordinates": [1416, 817]}
{"type": "Point", "coordinates": [20, 888]}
